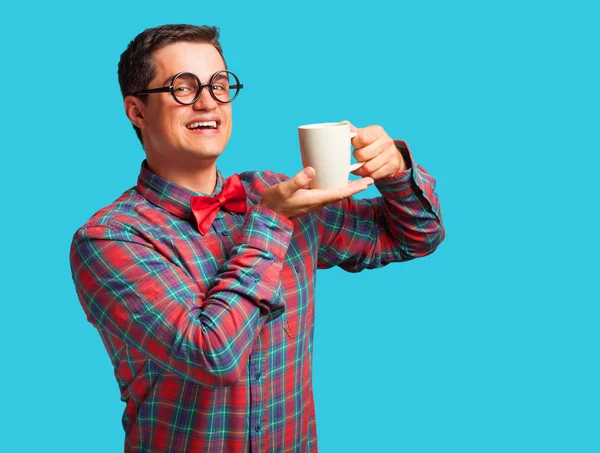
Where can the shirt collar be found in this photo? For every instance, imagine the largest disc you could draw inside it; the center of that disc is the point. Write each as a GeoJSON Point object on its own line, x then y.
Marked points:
{"type": "Point", "coordinates": [168, 195]}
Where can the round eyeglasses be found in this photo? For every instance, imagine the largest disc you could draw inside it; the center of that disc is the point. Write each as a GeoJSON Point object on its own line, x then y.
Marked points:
{"type": "Point", "coordinates": [186, 88]}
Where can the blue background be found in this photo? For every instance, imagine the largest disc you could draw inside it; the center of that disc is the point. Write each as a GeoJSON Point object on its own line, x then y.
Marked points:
{"type": "Point", "coordinates": [488, 345]}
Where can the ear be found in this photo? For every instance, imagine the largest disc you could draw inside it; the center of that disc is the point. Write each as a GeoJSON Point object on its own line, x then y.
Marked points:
{"type": "Point", "coordinates": [134, 109]}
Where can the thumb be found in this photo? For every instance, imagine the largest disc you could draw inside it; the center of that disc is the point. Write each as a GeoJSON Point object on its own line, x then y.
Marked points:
{"type": "Point", "coordinates": [299, 181]}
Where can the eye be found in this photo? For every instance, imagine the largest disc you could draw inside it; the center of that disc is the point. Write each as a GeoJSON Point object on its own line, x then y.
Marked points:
{"type": "Point", "coordinates": [218, 88]}
{"type": "Point", "coordinates": [185, 85]}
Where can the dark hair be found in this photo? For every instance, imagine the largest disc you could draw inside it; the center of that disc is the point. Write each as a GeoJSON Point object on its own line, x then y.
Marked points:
{"type": "Point", "coordinates": [136, 66]}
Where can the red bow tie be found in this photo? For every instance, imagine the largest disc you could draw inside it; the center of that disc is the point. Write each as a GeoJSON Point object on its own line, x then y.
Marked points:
{"type": "Point", "coordinates": [232, 198]}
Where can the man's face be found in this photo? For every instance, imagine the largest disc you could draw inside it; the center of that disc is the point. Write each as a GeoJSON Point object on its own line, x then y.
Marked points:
{"type": "Point", "coordinates": [166, 127]}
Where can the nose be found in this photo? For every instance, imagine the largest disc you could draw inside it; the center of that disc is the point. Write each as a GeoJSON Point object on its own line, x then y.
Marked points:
{"type": "Point", "coordinates": [205, 101]}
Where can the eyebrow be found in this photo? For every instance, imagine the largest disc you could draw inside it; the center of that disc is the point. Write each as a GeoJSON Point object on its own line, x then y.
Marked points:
{"type": "Point", "coordinates": [168, 80]}
{"type": "Point", "coordinates": [221, 77]}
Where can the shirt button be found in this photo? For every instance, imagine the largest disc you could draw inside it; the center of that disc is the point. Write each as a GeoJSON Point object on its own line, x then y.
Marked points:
{"type": "Point", "coordinates": [257, 376]}
{"type": "Point", "coordinates": [257, 428]}
{"type": "Point", "coordinates": [297, 269]}
{"type": "Point", "coordinates": [225, 233]}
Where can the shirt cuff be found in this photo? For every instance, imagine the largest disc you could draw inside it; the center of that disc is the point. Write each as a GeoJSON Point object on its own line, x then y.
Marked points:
{"type": "Point", "coordinates": [267, 230]}
{"type": "Point", "coordinates": [405, 183]}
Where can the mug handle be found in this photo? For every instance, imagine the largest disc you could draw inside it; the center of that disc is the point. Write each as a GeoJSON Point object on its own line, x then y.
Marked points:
{"type": "Point", "coordinates": [356, 165]}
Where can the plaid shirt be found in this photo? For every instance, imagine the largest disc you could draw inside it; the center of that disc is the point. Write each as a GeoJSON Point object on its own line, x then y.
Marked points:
{"type": "Point", "coordinates": [211, 337]}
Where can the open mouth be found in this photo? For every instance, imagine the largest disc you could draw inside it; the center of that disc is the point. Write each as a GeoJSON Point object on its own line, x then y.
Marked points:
{"type": "Point", "coordinates": [202, 125]}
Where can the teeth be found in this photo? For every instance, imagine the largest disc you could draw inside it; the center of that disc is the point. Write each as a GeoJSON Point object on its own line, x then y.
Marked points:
{"type": "Point", "coordinates": [198, 124]}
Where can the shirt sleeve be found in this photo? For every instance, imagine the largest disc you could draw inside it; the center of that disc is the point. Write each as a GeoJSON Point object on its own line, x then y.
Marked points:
{"type": "Point", "coordinates": [404, 223]}
{"type": "Point", "coordinates": [133, 292]}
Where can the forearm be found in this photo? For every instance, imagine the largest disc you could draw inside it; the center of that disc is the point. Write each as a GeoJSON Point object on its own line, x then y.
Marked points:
{"type": "Point", "coordinates": [246, 292]}
{"type": "Point", "coordinates": [410, 210]}
{"type": "Point", "coordinates": [402, 224]}
{"type": "Point", "coordinates": [134, 293]}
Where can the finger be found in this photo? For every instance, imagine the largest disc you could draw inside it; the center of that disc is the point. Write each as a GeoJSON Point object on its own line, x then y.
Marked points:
{"type": "Point", "coordinates": [367, 135]}
{"type": "Point", "coordinates": [359, 184]}
{"type": "Point", "coordinates": [374, 149]}
{"type": "Point", "coordinates": [313, 200]}
{"type": "Point", "coordinates": [353, 187]}
{"type": "Point", "coordinates": [299, 181]}
{"type": "Point", "coordinates": [384, 172]}
{"type": "Point", "coordinates": [373, 164]}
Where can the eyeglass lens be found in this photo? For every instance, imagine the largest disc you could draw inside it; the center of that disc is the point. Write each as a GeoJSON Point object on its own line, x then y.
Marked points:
{"type": "Point", "coordinates": [224, 87]}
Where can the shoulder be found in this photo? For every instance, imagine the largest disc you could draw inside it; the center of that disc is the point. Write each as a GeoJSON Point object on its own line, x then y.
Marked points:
{"type": "Point", "coordinates": [118, 220]}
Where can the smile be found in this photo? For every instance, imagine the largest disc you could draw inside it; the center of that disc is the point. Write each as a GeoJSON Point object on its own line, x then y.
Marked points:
{"type": "Point", "coordinates": [202, 125]}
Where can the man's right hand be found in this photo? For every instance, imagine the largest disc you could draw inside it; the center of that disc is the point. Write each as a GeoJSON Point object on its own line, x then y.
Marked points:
{"type": "Point", "coordinates": [293, 198]}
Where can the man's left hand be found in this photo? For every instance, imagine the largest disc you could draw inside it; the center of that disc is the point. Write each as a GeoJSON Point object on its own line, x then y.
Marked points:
{"type": "Point", "coordinates": [374, 146]}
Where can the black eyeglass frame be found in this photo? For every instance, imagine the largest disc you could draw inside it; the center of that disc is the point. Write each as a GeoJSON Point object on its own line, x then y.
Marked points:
{"type": "Point", "coordinates": [170, 89]}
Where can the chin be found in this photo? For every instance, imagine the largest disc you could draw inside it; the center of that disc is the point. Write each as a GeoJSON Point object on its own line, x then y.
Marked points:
{"type": "Point", "coordinates": [202, 149]}
{"type": "Point", "coordinates": [206, 153]}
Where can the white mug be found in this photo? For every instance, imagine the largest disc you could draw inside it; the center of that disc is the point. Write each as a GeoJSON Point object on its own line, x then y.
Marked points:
{"type": "Point", "coordinates": [326, 148]}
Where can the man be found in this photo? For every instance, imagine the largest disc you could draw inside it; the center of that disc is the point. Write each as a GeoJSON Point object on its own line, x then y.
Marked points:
{"type": "Point", "coordinates": [206, 304]}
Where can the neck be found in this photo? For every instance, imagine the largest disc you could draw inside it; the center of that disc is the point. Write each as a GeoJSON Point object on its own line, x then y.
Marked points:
{"type": "Point", "coordinates": [197, 176]}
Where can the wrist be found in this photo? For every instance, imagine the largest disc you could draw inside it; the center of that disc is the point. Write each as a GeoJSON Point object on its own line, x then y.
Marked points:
{"type": "Point", "coordinates": [266, 206]}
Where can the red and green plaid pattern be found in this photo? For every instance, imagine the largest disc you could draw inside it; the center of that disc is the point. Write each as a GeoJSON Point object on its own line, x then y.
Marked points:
{"type": "Point", "coordinates": [211, 337]}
